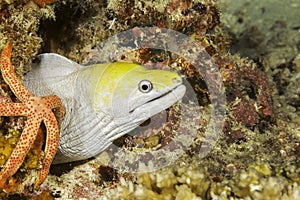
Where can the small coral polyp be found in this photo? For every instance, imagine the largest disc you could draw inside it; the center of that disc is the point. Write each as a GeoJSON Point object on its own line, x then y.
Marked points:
{"type": "Point", "coordinates": [42, 3]}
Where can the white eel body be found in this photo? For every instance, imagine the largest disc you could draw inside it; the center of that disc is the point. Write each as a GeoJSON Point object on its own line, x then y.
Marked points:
{"type": "Point", "coordinates": [102, 102]}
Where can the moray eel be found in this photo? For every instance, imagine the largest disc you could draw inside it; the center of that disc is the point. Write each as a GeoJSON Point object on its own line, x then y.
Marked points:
{"type": "Point", "coordinates": [102, 101]}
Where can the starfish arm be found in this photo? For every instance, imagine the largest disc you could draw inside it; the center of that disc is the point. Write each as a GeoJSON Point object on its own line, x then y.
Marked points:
{"type": "Point", "coordinates": [19, 153]}
{"type": "Point", "coordinates": [36, 109]}
{"type": "Point", "coordinates": [52, 140]}
{"type": "Point", "coordinates": [54, 102]}
{"type": "Point", "coordinates": [13, 109]}
{"type": "Point", "coordinates": [10, 77]}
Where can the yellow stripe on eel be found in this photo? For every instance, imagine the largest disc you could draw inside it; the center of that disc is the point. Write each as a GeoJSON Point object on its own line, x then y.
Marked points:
{"type": "Point", "coordinates": [102, 101]}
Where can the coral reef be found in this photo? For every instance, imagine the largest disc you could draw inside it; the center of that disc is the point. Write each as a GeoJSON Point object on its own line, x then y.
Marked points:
{"type": "Point", "coordinates": [19, 24]}
{"type": "Point", "coordinates": [101, 19]}
{"type": "Point", "coordinates": [256, 156]}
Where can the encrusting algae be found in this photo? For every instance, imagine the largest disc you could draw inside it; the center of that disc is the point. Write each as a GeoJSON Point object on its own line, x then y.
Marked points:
{"type": "Point", "coordinates": [257, 155]}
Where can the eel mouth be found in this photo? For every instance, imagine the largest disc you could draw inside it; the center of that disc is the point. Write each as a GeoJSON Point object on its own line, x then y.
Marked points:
{"type": "Point", "coordinates": [161, 102]}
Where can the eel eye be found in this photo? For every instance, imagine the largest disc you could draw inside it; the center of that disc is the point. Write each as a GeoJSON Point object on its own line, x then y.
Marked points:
{"type": "Point", "coordinates": [145, 86]}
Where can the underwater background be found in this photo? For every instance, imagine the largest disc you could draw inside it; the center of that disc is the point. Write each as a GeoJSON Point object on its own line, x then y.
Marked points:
{"type": "Point", "coordinates": [256, 48]}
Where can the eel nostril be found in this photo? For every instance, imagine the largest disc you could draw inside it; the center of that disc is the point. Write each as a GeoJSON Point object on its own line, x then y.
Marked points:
{"type": "Point", "coordinates": [176, 80]}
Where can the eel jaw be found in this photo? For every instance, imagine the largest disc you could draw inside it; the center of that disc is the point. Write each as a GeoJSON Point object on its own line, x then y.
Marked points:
{"type": "Point", "coordinates": [158, 104]}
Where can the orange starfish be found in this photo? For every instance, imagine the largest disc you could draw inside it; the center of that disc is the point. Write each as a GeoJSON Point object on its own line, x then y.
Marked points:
{"type": "Point", "coordinates": [37, 110]}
